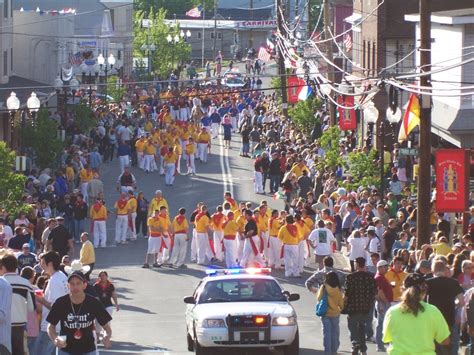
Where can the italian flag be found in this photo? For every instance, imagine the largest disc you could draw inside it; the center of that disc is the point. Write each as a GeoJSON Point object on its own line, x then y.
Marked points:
{"type": "Point", "coordinates": [411, 119]}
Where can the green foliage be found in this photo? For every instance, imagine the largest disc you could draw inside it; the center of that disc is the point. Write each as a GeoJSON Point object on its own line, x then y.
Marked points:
{"type": "Point", "coordinates": [178, 7]}
{"type": "Point", "coordinates": [303, 113]}
{"type": "Point", "coordinates": [314, 9]}
{"type": "Point", "coordinates": [363, 169]}
{"type": "Point", "coordinates": [167, 56]}
{"type": "Point", "coordinates": [329, 141]}
{"type": "Point", "coordinates": [41, 137]}
{"type": "Point", "coordinates": [11, 184]}
{"type": "Point", "coordinates": [84, 117]}
{"type": "Point", "coordinates": [113, 89]}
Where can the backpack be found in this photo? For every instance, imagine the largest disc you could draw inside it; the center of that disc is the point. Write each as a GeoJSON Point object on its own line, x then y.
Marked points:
{"type": "Point", "coordinates": [322, 305]}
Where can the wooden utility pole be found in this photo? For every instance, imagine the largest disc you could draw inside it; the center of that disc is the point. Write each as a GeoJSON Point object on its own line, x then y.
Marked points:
{"type": "Point", "coordinates": [215, 30]}
{"type": "Point", "coordinates": [281, 60]}
{"type": "Point", "coordinates": [250, 29]}
{"type": "Point", "coordinates": [328, 44]}
{"type": "Point", "coordinates": [424, 168]}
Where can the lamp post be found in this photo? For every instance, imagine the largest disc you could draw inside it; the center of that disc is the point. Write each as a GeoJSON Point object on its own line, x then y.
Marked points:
{"type": "Point", "coordinates": [106, 65]}
{"type": "Point", "coordinates": [62, 92]}
{"type": "Point", "coordinates": [174, 40]}
{"type": "Point", "coordinates": [149, 49]}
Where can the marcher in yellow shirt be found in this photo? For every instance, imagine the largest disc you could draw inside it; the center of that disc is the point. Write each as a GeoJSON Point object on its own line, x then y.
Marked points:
{"type": "Point", "coordinates": [395, 275]}
{"type": "Point", "coordinates": [156, 202]}
{"type": "Point", "coordinates": [289, 234]}
{"type": "Point", "coordinates": [230, 231]}
{"type": "Point", "coordinates": [202, 222]}
{"type": "Point", "coordinates": [87, 253]}
{"type": "Point", "coordinates": [298, 168]}
{"type": "Point", "coordinates": [290, 238]}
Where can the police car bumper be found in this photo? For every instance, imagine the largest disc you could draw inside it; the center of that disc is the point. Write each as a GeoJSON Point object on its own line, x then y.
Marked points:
{"type": "Point", "coordinates": [223, 337]}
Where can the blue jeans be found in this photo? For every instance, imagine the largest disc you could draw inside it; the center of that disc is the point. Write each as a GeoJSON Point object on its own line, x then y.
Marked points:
{"type": "Point", "coordinates": [245, 148]}
{"type": "Point", "coordinates": [60, 352]}
{"type": "Point", "coordinates": [274, 183]}
{"type": "Point", "coordinates": [330, 334]}
{"type": "Point", "coordinates": [78, 229]}
{"type": "Point", "coordinates": [357, 326]}
{"type": "Point", "coordinates": [69, 224]}
{"type": "Point", "coordinates": [369, 327]}
{"type": "Point", "coordinates": [44, 345]}
{"type": "Point", "coordinates": [381, 310]}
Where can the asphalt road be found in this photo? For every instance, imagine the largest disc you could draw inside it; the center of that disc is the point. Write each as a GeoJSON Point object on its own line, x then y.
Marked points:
{"type": "Point", "coordinates": [151, 319]}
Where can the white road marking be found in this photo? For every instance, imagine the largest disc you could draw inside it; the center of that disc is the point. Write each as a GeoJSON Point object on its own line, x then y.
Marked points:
{"type": "Point", "coordinates": [221, 159]}
{"type": "Point", "coordinates": [225, 167]}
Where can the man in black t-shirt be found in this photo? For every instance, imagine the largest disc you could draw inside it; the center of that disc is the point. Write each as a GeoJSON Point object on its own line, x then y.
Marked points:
{"type": "Point", "coordinates": [60, 240]}
{"type": "Point", "coordinates": [442, 293]}
{"type": "Point", "coordinates": [77, 313]}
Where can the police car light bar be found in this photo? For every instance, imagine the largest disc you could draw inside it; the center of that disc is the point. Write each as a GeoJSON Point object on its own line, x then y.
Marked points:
{"type": "Point", "coordinates": [252, 271]}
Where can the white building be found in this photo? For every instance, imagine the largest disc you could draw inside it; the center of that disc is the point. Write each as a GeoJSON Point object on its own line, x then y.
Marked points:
{"type": "Point", "coordinates": [6, 40]}
{"type": "Point", "coordinates": [46, 40]}
{"type": "Point", "coordinates": [452, 34]}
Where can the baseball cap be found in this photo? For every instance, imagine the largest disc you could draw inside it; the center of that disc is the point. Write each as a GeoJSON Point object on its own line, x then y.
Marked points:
{"type": "Point", "coordinates": [26, 245]}
{"type": "Point", "coordinates": [78, 275]}
{"type": "Point", "coordinates": [414, 280]}
{"type": "Point", "coordinates": [371, 228]}
{"type": "Point", "coordinates": [382, 263]}
{"type": "Point", "coordinates": [59, 218]}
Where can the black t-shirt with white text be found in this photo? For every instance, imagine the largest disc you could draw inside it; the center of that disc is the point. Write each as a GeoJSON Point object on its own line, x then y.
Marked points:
{"type": "Point", "coordinates": [78, 324]}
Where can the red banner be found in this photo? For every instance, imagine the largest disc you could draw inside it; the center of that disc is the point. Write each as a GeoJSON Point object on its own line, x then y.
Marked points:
{"type": "Point", "coordinates": [293, 87]}
{"type": "Point", "coordinates": [452, 180]}
{"type": "Point", "coordinates": [347, 117]}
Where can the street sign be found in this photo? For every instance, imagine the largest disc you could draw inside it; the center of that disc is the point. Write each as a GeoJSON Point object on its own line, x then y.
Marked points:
{"type": "Point", "coordinates": [409, 151]}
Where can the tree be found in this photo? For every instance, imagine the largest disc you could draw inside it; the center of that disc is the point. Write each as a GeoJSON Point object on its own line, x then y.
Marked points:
{"type": "Point", "coordinates": [115, 90]}
{"type": "Point", "coordinates": [41, 137]}
{"type": "Point", "coordinates": [329, 141]}
{"type": "Point", "coordinates": [363, 169]}
{"type": "Point", "coordinates": [12, 184]}
{"type": "Point", "coordinates": [84, 117]}
{"type": "Point", "coordinates": [166, 56]}
{"type": "Point", "coordinates": [303, 113]}
{"type": "Point", "coordinates": [175, 7]}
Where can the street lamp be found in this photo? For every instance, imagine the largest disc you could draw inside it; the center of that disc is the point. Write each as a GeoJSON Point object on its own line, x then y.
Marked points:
{"type": "Point", "coordinates": [149, 49]}
{"type": "Point", "coordinates": [62, 91]}
{"type": "Point", "coordinates": [33, 104]}
{"type": "Point", "coordinates": [106, 65]}
{"type": "Point", "coordinates": [174, 40]}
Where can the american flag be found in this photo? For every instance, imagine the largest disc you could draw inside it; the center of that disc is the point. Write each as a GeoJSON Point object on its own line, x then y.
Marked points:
{"type": "Point", "coordinates": [195, 12]}
{"type": "Point", "coordinates": [75, 59]}
{"type": "Point", "coordinates": [348, 42]}
{"type": "Point", "coordinates": [263, 54]}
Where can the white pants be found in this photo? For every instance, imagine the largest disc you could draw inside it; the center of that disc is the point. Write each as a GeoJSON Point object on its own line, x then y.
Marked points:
{"type": "Point", "coordinates": [178, 254]}
{"type": "Point", "coordinates": [218, 237]}
{"type": "Point", "coordinates": [121, 226]}
{"type": "Point", "coordinates": [214, 129]}
{"type": "Point", "coordinates": [266, 248]}
{"type": "Point", "coordinates": [257, 182]}
{"type": "Point", "coordinates": [164, 255]}
{"type": "Point", "coordinates": [230, 253]}
{"type": "Point", "coordinates": [203, 248]}
{"type": "Point", "coordinates": [301, 255]}
{"type": "Point", "coordinates": [124, 161]}
{"type": "Point", "coordinates": [178, 164]}
{"type": "Point", "coordinates": [169, 177]}
{"type": "Point", "coordinates": [190, 164]}
{"type": "Point", "coordinates": [291, 260]}
{"type": "Point", "coordinates": [184, 143]}
{"type": "Point", "coordinates": [248, 256]}
{"type": "Point", "coordinates": [234, 123]}
{"type": "Point", "coordinates": [194, 246]}
{"type": "Point", "coordinates": [274, 251]}
{"type": "Point", "coordinates": [100, 233]}
{"type": "Point", "coordinates": [162, 166]}
{"type": "Point", "coordinates": [141, 160]}
{"type": "Point", "coordinates": [240, 247]}
{"type": "Point", "coordinates": [154, 244]}
{"type": "Point", "coordinates": [149, 163]}
{"type": "Point", "coordinates": [133, 229]}
{"type": "Point", "coordinates": [202, 151]}
{"type": "Point", "coordinates": [84, 192]}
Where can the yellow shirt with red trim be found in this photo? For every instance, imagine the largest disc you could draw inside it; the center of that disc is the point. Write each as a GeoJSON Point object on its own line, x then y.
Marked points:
{"type": "Point", "coordinates": [154, 226]}
{"type": "Point", "coordinates": [298, 171]}
{"type": "Point", "coordinates": [164, 222]}
{"type": "Point", "coordinates": [241, 223]}
{"type": "Point", "coordinates": [202, 224]}
{"type": "Point", "coordinates": [178, 150]}
{"type": "Point", "coordinates": [177, 227]}
{"type": "Point", "coordinates": [274, 226]}
{"type": "Point", "coordinates": [203, 137]}
{"type": "Point", "coordinates": [309, 222]}
{"type": "Point", "coordinates": [287, 238]}
{"type": "Point", "coordinates": [149, 148]}
{"type": "Point", "coordinates": [155, 205]}
{"type": "Point", "coordinates": [234, 206]}
{"type": "Point", "coordinates": [86, 175]}
{"type": "Point", "coordinates": [98, 213]}
{"type": "Point", "coordinates": [216, 221]}
{"type": "Point", "coordinates": [121, 210]}
{"type": "Point", "coordinates": [231, 228]}
{"type": "Point", "coordinates": [190, 148]}
{"type": "Point", "coordinates": [303, 230]}
{"type": "Point", "coordinates": [262, 223]}
{"type": "Point", "coordinates": [132, 205]}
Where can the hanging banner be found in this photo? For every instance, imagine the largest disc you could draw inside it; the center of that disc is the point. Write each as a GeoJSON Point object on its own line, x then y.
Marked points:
{"type": "Point", "coordinates": [347, 117]}
{"type": "Point", "coordinates": [293, 89]}
{"type": "Point", "coordinates": [452, 180]}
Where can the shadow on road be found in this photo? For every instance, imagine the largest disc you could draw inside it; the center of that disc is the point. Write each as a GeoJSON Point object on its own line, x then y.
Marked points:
{"type": "Point", "coordinates": [127, 307]}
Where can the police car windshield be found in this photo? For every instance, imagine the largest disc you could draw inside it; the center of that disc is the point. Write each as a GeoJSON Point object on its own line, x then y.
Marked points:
{"type": "Point", "coordinates": [241, 290]}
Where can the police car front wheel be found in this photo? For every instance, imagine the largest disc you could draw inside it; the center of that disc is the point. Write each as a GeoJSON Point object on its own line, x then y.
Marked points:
{"type": "Point", "coordinates": [294, 347]}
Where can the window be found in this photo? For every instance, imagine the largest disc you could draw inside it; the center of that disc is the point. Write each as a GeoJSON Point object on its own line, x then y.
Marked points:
{"type": "Point", "coordinates": [212, 35]}
{"type": "Point", "coordinates": [219, 35]}
{"type": "Point", "coordinates": [5, 63]}
{"type": "Point", "coordinates": [5, 8]}
{"type": "Point", "coordinates": [374, 56]}
{"type": "Point", "coordinates": [199, 35]}
{"type": "Point", "coordinates": [11, 59]}
{"type": "Point", "coordinates": [363, 54]}
{"type": "Point", "coordinates": [119, 55]}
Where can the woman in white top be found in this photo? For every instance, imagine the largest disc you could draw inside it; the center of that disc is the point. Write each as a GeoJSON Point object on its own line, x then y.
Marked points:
{"type": "Point", "coordinates": [22, 220]}
{"type": "Point", "coordinates": [356, 247]}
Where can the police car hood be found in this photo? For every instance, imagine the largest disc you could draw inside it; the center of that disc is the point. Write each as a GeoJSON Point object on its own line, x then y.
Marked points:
{"type": "Point", "coordinates": [223, 309]}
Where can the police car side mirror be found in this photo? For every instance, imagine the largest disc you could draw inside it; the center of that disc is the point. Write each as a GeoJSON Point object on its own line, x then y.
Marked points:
{"type": "Point", "coordinates": [191, 300]}
{"type": "Point", "coordinates": [294, 297]}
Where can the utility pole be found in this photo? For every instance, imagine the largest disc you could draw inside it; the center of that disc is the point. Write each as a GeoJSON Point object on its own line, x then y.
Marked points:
{"type": "Point", "coordinates": [424, 168]}
{"type": "Point", "coordinates": [281, 60]}
{"type": "Point", "coordinates": [331, 76]}
{"type": "Point", "coordinates": [202, 35]}
{"type": "Point", "coordinates": [215, 29]}
{"type": "Point", "coordinates": [250, 29]}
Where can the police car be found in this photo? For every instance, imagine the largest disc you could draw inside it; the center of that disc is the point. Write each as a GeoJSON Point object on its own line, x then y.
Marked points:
{"type": "Point", "coordinates": [241, 308]}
